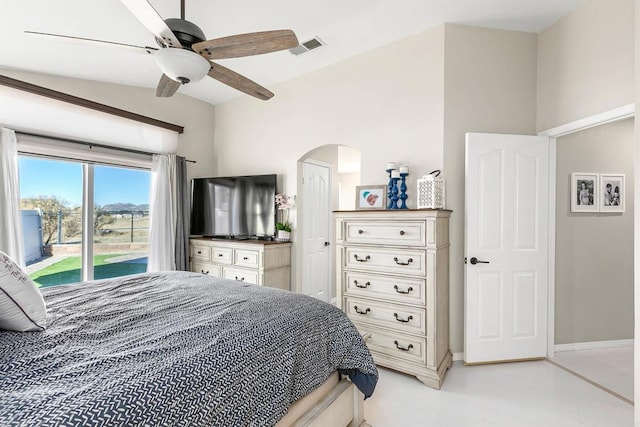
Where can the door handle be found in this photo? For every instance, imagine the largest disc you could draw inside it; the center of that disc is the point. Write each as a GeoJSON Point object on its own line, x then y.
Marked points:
{"type": "Point", "coordinates": [475, 261]}
{"type": "Point", "coordinates": [326, 244]}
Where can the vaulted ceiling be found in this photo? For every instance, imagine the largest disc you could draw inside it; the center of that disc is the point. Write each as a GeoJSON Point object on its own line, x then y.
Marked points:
{"type": "Point", "coordinates": [347, 27]}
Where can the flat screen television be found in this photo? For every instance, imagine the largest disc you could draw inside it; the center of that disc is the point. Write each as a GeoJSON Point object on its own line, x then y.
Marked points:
{"type": "Point", "coordinates": [234, 206]}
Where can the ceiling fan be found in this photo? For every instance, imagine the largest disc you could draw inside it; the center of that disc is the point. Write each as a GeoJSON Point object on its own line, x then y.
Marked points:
{"type": "Point", "coordinates": [186, 56]}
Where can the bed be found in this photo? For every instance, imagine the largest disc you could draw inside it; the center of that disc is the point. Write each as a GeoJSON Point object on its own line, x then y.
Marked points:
{"type": "Point", "coordinates": [182, 348]}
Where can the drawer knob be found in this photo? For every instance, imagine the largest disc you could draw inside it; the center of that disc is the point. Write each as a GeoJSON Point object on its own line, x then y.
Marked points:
{"type": "Point", "coordinates": [244, 258]}
{"type": "Point", "coordinates": [409, 261]}
{"type": "Point", "coordinates": [199, 252]}
{"type": "Point", "coordinates": [402, 232]}
{"type": "Point", "coordinates": [365, 259]}
{"type": "Point", "coordinates": [220, 255]}
{"type": "Point", "coordinates": [407, 320]}
{"type": "Point", "coordinates": [360, 231]}
{"type": "Point", "coordinates": [403, 348]}
{"type": "Point", "coordinates": [355, 307]}
{"type": "Point", "coordinates": [358, 285]}
{"type": "Point", "coordinates": [400, 291]}
{"type": "Point", "coordinates": [240, 279]}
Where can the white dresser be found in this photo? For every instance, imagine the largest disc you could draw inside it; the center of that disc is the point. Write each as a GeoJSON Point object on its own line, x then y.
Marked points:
{"type": "Point", "coordinates": [265, 263]}
{"type": "Point", "coordinates": [392, 277]}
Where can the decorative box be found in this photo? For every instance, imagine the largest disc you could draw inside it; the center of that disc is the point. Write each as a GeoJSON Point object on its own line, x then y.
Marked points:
{"type": "Point", "coordinates": [431, 194]}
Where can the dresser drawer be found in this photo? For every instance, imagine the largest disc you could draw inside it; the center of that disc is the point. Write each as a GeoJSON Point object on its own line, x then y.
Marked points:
{"type": "Point", "coordinates": [406, 233]}
{"type": "Point", "coordinates": [241, 275]}
{"type": "Point", "coordinates": [402, 318]}
{"type": "Point", "coordinates": [246, 258]}
{"type": "Point", "coordinates": [205, 268]}
{"type": "Point", "coordinates": [222, 255]}
{"type": "Point", "coordinates": [404, 290]}
{"type": "Point", "coordinates": [200, 253]}
{"type": "Point", "coordinates": [396, 345]}
{"type": "Point", "coordinates": [389, 260]}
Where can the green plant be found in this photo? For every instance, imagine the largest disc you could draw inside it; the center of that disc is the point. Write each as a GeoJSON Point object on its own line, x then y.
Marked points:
{"type": "Point", "coordinates": [285, 226]}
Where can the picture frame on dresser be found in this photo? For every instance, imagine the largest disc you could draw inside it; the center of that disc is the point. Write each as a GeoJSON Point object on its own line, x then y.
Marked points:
{"type": "Point", "coordinates": [371, 197]}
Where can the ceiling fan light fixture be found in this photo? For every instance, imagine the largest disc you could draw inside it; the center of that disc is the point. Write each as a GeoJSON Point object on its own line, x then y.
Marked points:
{"type": "Point", "coordinates": [182, 65]}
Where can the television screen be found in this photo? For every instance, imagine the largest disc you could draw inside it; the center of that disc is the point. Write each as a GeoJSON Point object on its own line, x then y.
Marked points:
{"type": "Point", "coordinates": [234, 207]}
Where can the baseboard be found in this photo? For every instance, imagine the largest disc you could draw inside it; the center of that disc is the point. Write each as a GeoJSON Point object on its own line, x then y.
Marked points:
{"type": "Point", "coordinates": [576, 346]}
{"type": "Point", "coordinates": [593, 345]}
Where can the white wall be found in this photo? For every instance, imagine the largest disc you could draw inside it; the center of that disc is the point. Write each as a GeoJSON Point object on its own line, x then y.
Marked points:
{"type": "Point", "coordinates": [586, 63]}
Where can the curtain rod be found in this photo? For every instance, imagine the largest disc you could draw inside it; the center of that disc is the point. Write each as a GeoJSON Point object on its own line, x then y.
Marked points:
{"type": "Point", "coordinates": [92, 144]}
{"type": "Point", "coordinates": [76, 100]}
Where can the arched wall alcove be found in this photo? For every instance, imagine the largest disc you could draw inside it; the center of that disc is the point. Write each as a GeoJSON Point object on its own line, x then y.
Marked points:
{"type": "Point", "coordinates": [344, 164]}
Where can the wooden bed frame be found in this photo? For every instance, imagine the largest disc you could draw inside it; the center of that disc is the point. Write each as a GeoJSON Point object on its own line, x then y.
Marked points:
{"type": "Point", "coordinates": [335, 403]}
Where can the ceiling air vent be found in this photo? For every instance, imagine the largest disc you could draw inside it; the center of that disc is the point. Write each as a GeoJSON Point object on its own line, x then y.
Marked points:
{"type": "Point", "coordinates": [314, 43]}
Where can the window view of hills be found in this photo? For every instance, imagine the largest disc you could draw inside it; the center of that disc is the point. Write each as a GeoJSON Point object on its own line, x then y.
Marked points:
{"type": "Point", "coordinates": [54, 230]}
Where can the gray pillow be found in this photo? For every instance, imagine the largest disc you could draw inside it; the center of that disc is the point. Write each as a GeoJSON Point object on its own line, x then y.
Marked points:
{"type": "Point", "coordinates": [22, 307]}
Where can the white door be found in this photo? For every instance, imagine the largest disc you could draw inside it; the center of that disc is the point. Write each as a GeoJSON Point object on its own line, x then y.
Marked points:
{"type": "Point", "coordinates": [506, 247]}
{"type": "Point", "coordinates": [316, 249]}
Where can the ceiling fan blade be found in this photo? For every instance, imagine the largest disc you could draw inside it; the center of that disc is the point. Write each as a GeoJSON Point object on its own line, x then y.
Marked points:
{"type": "Point", "coordinates": [94, 42]}
{"type": "Point", "coordinates": [148, 16]}
{"type": "Point", "coordinates": [246, 44]}
{"type": "Point", "coordinates": [239, 82]}
{"type": "Point", "coordinates": [167, 87]}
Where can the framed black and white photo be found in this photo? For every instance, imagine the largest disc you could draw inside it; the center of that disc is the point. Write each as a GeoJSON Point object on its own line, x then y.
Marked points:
{"type": "Point", "coordinates": [585, 195]}
{"type": "Point", "coordinates": [371, 197]}
{"type": "Point", "coordinates": [612, 190]}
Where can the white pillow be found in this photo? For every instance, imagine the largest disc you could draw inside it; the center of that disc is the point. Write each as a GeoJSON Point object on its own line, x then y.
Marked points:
{"type": "Point", "coordinates": [22, 307]}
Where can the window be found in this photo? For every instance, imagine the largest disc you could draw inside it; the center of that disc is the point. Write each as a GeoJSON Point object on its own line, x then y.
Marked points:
{"type": "Point", "coordinates": [83, 220]}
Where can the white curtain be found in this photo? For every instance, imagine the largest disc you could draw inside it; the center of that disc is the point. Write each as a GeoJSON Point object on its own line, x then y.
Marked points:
{"type": "Point", "coordinates": [10, 220]}
{"type": "Point", "coordinates": [162, 214]}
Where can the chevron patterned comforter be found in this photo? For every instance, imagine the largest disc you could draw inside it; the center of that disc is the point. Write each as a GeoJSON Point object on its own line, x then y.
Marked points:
{"type": "Point", "coordinates": [173, 349]}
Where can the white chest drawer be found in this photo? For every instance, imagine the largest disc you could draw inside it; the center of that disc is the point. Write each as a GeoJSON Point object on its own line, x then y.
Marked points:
{"type": "Point", "coordinates": [390, 288]}
{"type": "Point", "coordinates": [397, 345]}
{"type": "Point", "coordinates": [403, 318]}
{"type": "Point", "coordinates": [241, 275]}
{"type": "Point", "coordinates": [389, 260]}
{"type": "Point", "coordinates": [409, 233]}
{"type": "Point", "coordinates": [222, 255]}
{"type": "Point", "coordinates": [246, 258]}
{"type": "Point", "coordinates": [200, 253]}
{"type": "Point", "coordinates": [206, 268]}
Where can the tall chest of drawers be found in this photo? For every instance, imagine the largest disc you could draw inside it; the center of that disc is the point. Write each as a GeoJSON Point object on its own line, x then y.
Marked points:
{"type": "Point", "coordinates": [392, 277]}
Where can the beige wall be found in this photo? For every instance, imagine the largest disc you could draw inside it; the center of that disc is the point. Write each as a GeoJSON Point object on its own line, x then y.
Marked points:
{"type": "Point", "coordinates": [386, 102]}
{"type": "Point", "coordinates": [196, 143]}
{"type": "Point", "coordinates": [636, 231]}
{"type": "Point", "coordinates": [585, 67]}
{"type": "Point", "coordinates": [586, 62]}
{"type": "Point", "coordinates": [490, 86]}
{"type": "Point", "coordinates": [594, 251]}
{"type": "Point", "coordinates": [391, 104]}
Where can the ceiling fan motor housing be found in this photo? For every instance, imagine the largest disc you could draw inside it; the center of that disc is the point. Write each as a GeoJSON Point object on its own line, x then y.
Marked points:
{"type": "Point", "coordinates": [186, 32]}
{"type": "Point", "coordinates": [182, 65]}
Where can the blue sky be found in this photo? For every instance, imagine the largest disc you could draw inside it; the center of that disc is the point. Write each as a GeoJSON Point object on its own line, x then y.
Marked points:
{"type": "Point", "coordinates": [43, 177]}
